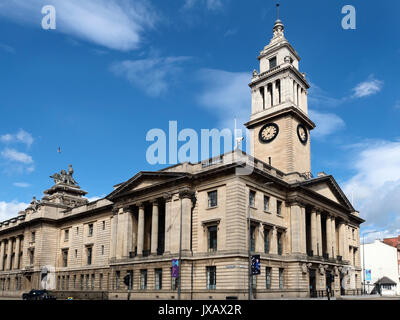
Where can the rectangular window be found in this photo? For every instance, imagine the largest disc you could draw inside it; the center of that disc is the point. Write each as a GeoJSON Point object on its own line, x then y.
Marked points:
{"type": "Point", "coordinates": [252, 198]}
{"type": "Point", "coordinates": [65, 258]}
{"type": "Point", "coordinates": [89, 255]}
{"type": "Point", "coordinates": [67, 283]}
{"type": "Point", "coordinates": [268, 277]}
{"type": "Point", "coordinates": [143, 279]}
{"type": "Point", "coordinates": [74, 281]}
{"type": "Point", "coordinates": [281, 278]}
{"type": "Point", "coordinates": [77, 230]}
{"type": "Point", "coordinates": [66, 235]}
{"type": "Point", "coordinates": [117, 279]}
{"type": "Point", "coordinates": [76, 253]}
{"type": "Point", "coordinates": [104, 225]}
{"type": "Point", "coordinates": [174, 282]}
{"type": "Point", "coordinates": [272, 62]}
{"type": "Point", "coordinates": [253, 239]}
{"type": "Point", "coordinates": [82, 281]}
{"type": "Point", "coordinates": [280, 244]}
{"type": "Point", "coordinates": [101, 281]}
{"type": "Point", "coordinates": [158, 274]}
{"type": "Point", "coordinates": [92, 281]}
{"type": "Point", "coordinates": [212, 238]}
{"type": "Point", "coordinates": [212, 199]}
{"type": "Point", "coordinates": [211, 278]}
{"type": "Point", "coordinates": [266, 203]}
{"type": "Point", "coordinates": [102, 250]}
{"type": "Point", "coordinates": [130, 283]}
{"type": "Point", "coordinates": [33, 236]}
{"type": "Point", "coordinates": [266, 240]}
{"type": "Point", "coordinates": [90, 230]}
{"type": "Point", "coordinates": [31, 256]}
{"type": "Point", "coordinates": [279, 208]}
{"type": "Point", "coordinates": [87, 282]}
{"type": "Point", "coordinates": [58, 283]}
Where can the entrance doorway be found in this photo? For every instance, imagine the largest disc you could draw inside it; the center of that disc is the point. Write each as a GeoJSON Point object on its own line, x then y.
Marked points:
{"type": "Point", "coordinates": [329, 281]}
{"type": "Point", "coordinates": [313, 282]}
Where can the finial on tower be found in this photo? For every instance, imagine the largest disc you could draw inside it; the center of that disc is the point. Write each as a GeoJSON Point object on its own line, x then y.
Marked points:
{"type": "Point", "coordinates": [277, 9]}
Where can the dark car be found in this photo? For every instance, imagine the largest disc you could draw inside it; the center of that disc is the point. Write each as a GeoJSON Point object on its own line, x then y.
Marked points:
{"type": "Point", "coordinates": [38, 295]}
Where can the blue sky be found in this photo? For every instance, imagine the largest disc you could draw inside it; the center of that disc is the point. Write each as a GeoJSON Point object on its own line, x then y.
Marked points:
{"type": "Point", "coordinates": [113, 70]}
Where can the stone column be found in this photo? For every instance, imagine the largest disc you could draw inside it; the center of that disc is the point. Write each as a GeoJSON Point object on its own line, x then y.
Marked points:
{"type": "Point", "coordinates": [275, 93]}
{"type": "Point", "coordinates": [341, 239]}
{"type": "Point", "coordinates": [120, 234]}
{"type": "Point", "coordinates": [296, 227]}
{"type": "Point", "coordinates": [114, 226]}
{"type": "Point", "coordinates": [140, 240]}
{"type": "Point", "coordinates": [9, 253]}
{"type": "Point", "coordinates": [314, 235]}
{"type": "Point", "coordinates": [274, 241]}
{"type": "Point", "coordinates": [334, 246]}
{"type": "Point", "coordinates": [154, 229]}
{"type": "Point", "coordinates": [329, 236]}
{"type": "Point", "coordinates": [186, 203]}
{"type": "Point", "coordinates": [127, 232]}
{"type": "Point", "coordinates": [2, 244]}
{"type": "Point", "coordinates": [305, 102]}
{"type": "Point", "coordinates": [303, 230]}
{"type": "Point", "coordinates": [167, 233]}
{"type": "Point", "coordinates": [17, 250]}
{"type": "Point", "coordinates": [267, 98]}
{"type": "Point", "coordinates": [319, 234]}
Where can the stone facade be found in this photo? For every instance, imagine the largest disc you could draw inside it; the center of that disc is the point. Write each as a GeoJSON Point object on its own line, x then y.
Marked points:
{"type": "Point", "coordinates": [304, 229]}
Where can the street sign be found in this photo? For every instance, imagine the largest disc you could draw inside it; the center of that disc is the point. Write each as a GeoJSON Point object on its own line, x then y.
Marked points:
{"type": "Point", "coordinates": [368, 275]}
{"type": "Point", "coordinates": [175, 268]}
{"type": "Point", "coordinates": [255, 265]}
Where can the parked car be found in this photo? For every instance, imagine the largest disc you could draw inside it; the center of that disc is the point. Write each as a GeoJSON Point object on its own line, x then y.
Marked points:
{"type": "Point", "coordinates": [38, 295]}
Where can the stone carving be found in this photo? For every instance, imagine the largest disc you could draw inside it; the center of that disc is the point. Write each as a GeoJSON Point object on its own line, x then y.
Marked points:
{"type": "Point", "coordinates": [64, 177]}
{"type": "Point", "coordinates": [255, 74]}
{"type": "Point", "coordinates": [305, 267]}
{"type": "Point", "coordinates": [34, 204]}
{"type": "Point", "coordinates": [322, 269]}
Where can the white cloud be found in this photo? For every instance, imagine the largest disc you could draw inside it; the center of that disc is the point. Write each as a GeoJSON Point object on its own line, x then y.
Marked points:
{"type": "Point", "coordinates": [16, 156]}
{"type": "Point", "coordinates": [225, 94]}
{"type": "Point", "coordinates": [10, 210]}
{"type": "Point", "coordinates": [376, 184]}
{"type": "Point", "coordinates": [327, 123]}
{"type": "Point", "coordinates": [115, 24]}
{"type": "Point", "coordinates": [368, 87]}
{"type": "Point", "coordinates": [210, 4]}
{"type": "Point", "coordinates": [397, 104]}
{"type": "Point", "coordinates": [153, 75]}
{"type": "Point", "coordinates": [6, 48]}
{"type": "Point", "coordinates": [21, 185]}
{"type": "Point", "coordinates": [20, 137]}
{"type": "Point", "coordinates": [317, 97]}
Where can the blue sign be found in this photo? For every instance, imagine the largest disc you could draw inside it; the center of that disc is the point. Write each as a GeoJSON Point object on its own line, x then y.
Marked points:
{"type": "Point", "coordinates": [175, 268]}
{"type": "Point", "coordinates": [255, 265]}
{"type": "Point", "coordinates": [368, 275]}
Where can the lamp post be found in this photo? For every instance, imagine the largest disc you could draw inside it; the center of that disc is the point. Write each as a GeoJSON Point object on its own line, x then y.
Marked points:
{"type": "Point", "coordinates": [365, 233]}
{"type": "Point", "coordinates": [249, 251]}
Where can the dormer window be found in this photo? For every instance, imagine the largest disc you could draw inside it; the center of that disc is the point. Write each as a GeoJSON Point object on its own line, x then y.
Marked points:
{"type": "Point", "coordinates": [272, 63]}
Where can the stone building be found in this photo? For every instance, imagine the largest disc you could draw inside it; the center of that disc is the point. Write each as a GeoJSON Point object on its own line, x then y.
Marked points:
{"type": "Point", "coordinates": [209, 213]}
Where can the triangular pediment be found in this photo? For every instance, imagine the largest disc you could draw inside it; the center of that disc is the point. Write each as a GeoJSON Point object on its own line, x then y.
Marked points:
{"type": "Point", "coordinates": [327, 187]}
{"type": "Point", "coordinates": [144, 180]}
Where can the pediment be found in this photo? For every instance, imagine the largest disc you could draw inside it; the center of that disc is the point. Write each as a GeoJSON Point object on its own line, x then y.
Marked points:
{"type": "Point", "coordinates": [144, 180]}
{"type": "Point", "coordinates": [328, 187]}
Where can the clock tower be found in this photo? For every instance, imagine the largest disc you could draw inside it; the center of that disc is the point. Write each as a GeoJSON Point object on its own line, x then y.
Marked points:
{"type": "Point", "coordinates": [279, 124]}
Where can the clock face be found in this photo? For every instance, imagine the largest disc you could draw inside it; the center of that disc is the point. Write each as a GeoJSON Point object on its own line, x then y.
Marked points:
{"type": "Point", "coordinates": [268, 132]}
{"type": "Point", "coordinates": [302, 133]}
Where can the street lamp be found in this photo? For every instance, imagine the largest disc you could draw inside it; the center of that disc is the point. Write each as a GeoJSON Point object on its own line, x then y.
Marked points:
{"type": "Point", "coordinates": [365, 233]}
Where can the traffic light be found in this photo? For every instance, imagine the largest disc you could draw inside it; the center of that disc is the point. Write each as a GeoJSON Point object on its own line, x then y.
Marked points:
{"type": "Point", "coordinates": [255, 265]}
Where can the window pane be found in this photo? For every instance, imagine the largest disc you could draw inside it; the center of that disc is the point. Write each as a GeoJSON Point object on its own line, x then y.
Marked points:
{"type": "Point", "coordinates": [266, 241]}
{"type": "Point", "coordinates": [212, 199]}
{"type": "Point", "coordinates": [272, 62]}
{"type": "Point", "coordinates": [212, 238]}
{"type": "Point", "coordinates": [211, 278]}
{"type": "Point", "coordinates": [266, 203]}
{"type": "Point", "coordinates": [252, 198]}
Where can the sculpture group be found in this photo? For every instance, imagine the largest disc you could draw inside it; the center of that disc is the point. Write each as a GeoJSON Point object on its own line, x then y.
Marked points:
{"type": "Point", "coordinates": [65, 177]}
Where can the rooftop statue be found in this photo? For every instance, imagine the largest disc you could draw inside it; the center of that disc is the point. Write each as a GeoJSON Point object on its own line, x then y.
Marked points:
{"type": "Point", "coordinates": [64, 177]}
